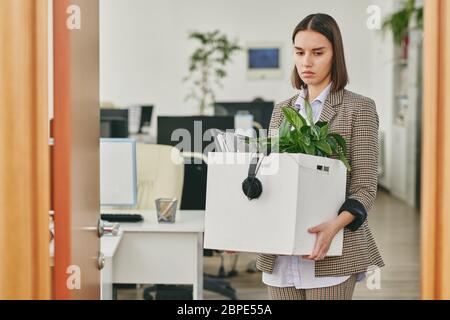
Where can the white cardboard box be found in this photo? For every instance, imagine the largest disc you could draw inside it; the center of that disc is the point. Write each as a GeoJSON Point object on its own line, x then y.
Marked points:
{"type": "Point", "coordinates": [296, 195]}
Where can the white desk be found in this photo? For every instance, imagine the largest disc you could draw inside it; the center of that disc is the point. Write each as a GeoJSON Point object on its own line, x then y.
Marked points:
{"type": "Point", "coordinates": [154, 253]}
{"type": "Point", "coordinates": [109, 245]}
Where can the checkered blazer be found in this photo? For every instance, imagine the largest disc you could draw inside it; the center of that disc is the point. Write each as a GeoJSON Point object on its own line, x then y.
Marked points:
{"type": "Point", "coordinates": [355, 118]}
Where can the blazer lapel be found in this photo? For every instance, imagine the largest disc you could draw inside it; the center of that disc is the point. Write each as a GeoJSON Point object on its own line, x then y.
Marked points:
{"type": "Point", "coordinates": [294, 100]}
{"type": "Point", "coordinates": [333, 101]}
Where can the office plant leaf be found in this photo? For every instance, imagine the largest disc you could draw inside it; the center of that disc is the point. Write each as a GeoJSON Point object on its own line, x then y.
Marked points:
{"type": "Point", "coordinates": [292, 118]}
{"type": "Point", "coordinates": [296, 135]}
{"type": "Point", "coordinates": [207, 66]}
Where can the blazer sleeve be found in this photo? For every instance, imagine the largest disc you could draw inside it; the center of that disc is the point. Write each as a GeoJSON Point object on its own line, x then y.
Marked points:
{"type": "Point", "coordinates": [364, 164]}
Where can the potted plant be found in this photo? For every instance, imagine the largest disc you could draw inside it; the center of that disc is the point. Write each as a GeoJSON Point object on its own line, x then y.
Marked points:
{"type": "Point", "coordinates": [399, 24]}
{"type": "Point", "coordinates": [296, 135]}
{"type": "Point", "coordinates": [207, 65]}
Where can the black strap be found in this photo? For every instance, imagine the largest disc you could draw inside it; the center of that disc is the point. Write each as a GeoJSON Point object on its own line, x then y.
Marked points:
{"type": "Point", "coordinates": [253, 169]}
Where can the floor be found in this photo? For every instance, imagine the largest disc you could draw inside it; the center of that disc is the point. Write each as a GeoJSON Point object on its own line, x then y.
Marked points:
{"type": "Point", "coordinates": [396, 229]}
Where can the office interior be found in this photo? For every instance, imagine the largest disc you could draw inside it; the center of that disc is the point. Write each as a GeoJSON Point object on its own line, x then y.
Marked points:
{"type": "Point", "coordinates": [106, 82]}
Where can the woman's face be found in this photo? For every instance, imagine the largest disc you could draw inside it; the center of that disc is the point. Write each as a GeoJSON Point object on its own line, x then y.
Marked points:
{"type": "Point", "coordinates": [313, 56]}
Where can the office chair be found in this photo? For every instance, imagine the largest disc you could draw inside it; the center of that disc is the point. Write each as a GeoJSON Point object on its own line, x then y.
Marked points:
{"type": "Point", "coordinates": [160, 174]}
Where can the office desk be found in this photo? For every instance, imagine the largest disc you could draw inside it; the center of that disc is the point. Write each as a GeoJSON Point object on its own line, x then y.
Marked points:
{"type": "Point", "coordinates": [152, 253]}
{"type": "Point", "coordinates": [108, 245]}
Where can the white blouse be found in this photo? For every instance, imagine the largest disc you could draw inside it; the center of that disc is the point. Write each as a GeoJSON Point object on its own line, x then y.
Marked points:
{"type": "Point", "coordinates": [294, 271]}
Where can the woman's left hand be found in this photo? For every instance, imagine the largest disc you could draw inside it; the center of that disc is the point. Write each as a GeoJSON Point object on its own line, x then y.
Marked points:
{"type": "Point", "coordinates": [325, 234]}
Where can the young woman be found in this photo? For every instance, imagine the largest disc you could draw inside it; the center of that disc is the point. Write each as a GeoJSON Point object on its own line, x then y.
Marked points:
{"type": "Point", "coordinates": [320, 74]}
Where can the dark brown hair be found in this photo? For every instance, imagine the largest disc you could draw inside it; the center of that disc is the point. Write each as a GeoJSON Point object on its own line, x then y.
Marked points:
{"type": "Point", "coordinates": [327, 26]}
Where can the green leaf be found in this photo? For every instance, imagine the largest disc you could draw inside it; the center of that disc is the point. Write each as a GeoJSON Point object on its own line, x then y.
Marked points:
{"type": "Point", "coordinates": [302, 119]}
{"type": "Point", "coordinates": [320, 124]}
{"type": "Point", "coordinates": [284, 140]}
{"type": "Point", "coordinates": [311, 150]}
{"type": "Point", "coordinates": [221, 73]}
{"type": "Point", "coordinates": [295, 135]}
{"type": "Point", "coordinates": [324, 131]}
{"type": "Point", "coordinates": [341, 142]}
{"type": "Point", "coordinates": [315, 133]}
{"type": "Point", "coordinates": [306, 139]}
{"type": "Point", "coordinates": [343, 158]}
{"type": "Point", "coordinates": [293, 117]}
{"type": "Point", "coordinates": [306, 131]}
{"type": "Point", "coordinates": [332, 142]}
{"type": "Point", "coordinates": [309, 113]}
{"type": "Point", "coordinates": [310, 122]}
{"type": "Point", "coordinates": [324, 146]}
{"type": "Point", "coordinates": [284, 129]}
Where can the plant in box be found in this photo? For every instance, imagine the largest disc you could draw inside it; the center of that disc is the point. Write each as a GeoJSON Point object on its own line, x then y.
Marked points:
{"type": "Point", "coordinates": [296, 135]}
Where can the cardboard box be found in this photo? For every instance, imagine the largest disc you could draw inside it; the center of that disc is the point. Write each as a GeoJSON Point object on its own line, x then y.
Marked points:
{"type": "Point", "coordinates": [299, 192]}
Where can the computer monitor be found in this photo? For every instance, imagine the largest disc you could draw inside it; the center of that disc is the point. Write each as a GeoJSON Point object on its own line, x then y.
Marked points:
{"type": "Point", "coordinates": [118, 181]}
{"type": "Point", "coordinates": [196, 126]}
{"type": "Point", "coordinates": [264, 60]}
{"type": "Point", "coordinates": [195, 173]}
{"type": "Point", "coordinates": [146, 117]}
{"type": "Point", "coordinates": [114, 123]}
{"type": "Point", "coordinates": [261, 111]}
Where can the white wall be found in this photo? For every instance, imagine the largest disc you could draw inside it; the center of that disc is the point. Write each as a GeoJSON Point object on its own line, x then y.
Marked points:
{"type": "Point", "coordinates": [145, 50]}
{"type": "Point", "coordinates": [382, 87]}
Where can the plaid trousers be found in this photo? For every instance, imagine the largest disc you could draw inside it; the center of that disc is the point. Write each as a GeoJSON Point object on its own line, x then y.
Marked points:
{"type": "Point", "coordinates": [342, 291]}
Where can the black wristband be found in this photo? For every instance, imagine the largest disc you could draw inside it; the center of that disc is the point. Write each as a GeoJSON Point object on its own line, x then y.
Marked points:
{"type": "Point", "coordinates": [357, 209]}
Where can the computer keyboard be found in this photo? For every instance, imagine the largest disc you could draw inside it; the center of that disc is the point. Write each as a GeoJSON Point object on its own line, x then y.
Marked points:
{"type": "Point", "coordinates": [121, 217]}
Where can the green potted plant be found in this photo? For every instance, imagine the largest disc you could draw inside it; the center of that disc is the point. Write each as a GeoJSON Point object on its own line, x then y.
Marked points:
{"type": "Point", "coordinates": [399, 22]}
{"type": "Point", "coordinates": [296, 135]}
{"type": "Point", "coordinates": [207, 65]}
